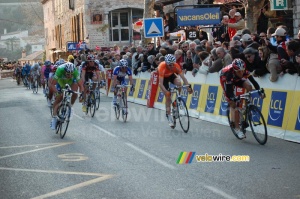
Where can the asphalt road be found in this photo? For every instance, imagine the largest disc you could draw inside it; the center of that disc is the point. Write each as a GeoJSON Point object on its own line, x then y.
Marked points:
{"type": "Point", "coordinates": [102, 157]}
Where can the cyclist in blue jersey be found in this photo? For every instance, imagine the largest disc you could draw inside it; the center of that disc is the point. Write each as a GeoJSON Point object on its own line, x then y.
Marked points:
{"type": "Point", "coordinates": [46, 70]}
{"type": "Point", "coordinates": [119, 74]}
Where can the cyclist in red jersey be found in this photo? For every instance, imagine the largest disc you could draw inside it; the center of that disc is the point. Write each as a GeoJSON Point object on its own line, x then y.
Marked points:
{"type": "Point", "coordinates": [170, 71]}
{"type": "Point", "coordinates": [233, 75]}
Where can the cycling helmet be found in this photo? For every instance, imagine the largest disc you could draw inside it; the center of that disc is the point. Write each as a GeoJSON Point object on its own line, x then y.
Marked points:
{"type": "Point", "coordinates": [90, 57]}
{"type": "Point", "coordinates": [170, 59]}
{"type": "Point", "coordinates": [47, 63]}
{"type": "Point", "coordinates": [69, 67]}
{"type": "Point", "coordinates": [238, 64]}
{"type": "Point", "coordinates": [123, 63]}
{"type": "Point", "coordinates": [60, 62]}
{"type": "Point", "coordinates": [97, 62]}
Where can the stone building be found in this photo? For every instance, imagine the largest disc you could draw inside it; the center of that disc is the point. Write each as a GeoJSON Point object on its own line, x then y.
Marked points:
{"type": "Point", "coordinates": [97, 23]}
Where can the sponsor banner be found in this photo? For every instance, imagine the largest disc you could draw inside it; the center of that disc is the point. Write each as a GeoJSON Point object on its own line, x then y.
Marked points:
{"type": "Point", "coordinates": [198, 16]}
{"type": "Point", "coordinates": [294, 116]}
{"type": "Point", "coordinates": [276, 108]}
{"type": "Point", "coordinates": [211, 99]}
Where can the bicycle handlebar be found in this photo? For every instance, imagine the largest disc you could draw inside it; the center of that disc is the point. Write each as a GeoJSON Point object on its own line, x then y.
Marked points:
{"type": "Point", "coordinates": [177, 87]}
{"type": "Point", "coordinates": [122, 86]}
{"type": "Point", "coordinates": [247, 95]}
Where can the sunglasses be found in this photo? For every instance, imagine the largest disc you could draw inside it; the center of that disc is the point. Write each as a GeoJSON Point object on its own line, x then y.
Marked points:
{"type": "Point", "coordinates": [248, 56]}
{"type": "Point", "coordinates": [69, 74]}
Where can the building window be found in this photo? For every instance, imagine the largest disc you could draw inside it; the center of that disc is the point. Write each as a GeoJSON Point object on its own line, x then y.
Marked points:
{"type": "Point", "coordinates": [121, 24]}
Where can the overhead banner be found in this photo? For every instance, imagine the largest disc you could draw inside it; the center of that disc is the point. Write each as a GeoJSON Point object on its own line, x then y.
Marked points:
{"type": "Point", "coordinates": [198, 16]}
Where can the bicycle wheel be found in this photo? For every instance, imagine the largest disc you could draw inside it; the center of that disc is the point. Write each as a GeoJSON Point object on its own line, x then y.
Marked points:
{"type": "Point", "coordinates": [231, 124]}
{"type": "Point", "coordinates": [92, 104]}
{"type": "Point", "coordinates": [183, 115]}
{"type": "Point", "coordinates": [35, 86]}
{"type": "Point", "coordinates": [117, 110]}
{"type": "Point", "coordinates": [58, 127]}
{"type": "Point", "coordinates": [257, 124]}
{"type": "Point", "coordinates": [124, 107]}
{"type": "Point", "coordinates": [64, 114]}
{"type": "Point", "coordinates": [97, 99]}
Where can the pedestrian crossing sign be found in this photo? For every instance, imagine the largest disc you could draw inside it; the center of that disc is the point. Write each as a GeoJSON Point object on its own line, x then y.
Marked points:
{"type": "Point", "coordinates": [153, 27]}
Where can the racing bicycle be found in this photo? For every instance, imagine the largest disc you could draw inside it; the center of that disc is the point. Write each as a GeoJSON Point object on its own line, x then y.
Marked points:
{"type": "Point", "coordinates": [90, 98]}
{"type": "Point", "coordinates": [64, 111]}
{"type": "Point", "coordinates": [122, 102]}
{"type": "Point", "coordinates": [179, 109]}
{"type": "Point", "coordinates": [249, 115]}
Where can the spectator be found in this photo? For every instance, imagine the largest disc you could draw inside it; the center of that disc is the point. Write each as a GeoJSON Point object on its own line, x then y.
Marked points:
{"type": "Point", "coordinates": [225, 57]}
{"type": "Point", "coordinates": [254, 63]}
{"type": "Point", "coordinates": [297, 55]}
{"type": "Point", "coordinates": [280, 34]}
{"type": "Point", "coordinates": [289, 66]}
{"type": "Point", "coordinates": [262, 21]}
{"type": "Point", "coordinates": [179, 58]}
{"type": "Point", "coordinates": [151, 50]}
{"type": "Point", "coordinates": [171, 22]}
{"type": "Point", "coordinates": [272, 39]}
{"type": "Point", "coordinates": [239, 24]}
{"type": "Point", "coordinates": [188, 64]}
{"type": "Point", "coordinates": [231, 31]}
{"type": "Point", "coordinates": [204, 57]}
{"type": "Point", "coordinates": [136, 57]}
{"type": "Point", "coordinates": [215, 63]}
{"type": "Point", "coordinates": [248, 42]}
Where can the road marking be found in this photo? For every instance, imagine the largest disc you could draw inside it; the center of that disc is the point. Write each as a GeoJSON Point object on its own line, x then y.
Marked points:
{"type": "Point", "coordinates": [156, 159]}
{"type": "Point", "coordinates": [8, 147]}
{"type": "Point", "coordinates": [78, 116]}
{"type": "Point", "coordinates": [72, 157]}
{"type": "Point", "coordinates": [101, 177]}
{"type": "Point", "coordinates": [104, 131]}
{"type": "Point", "coordinates": [34, 150]}
{"type": "Point", "coordinates": [219, 192]}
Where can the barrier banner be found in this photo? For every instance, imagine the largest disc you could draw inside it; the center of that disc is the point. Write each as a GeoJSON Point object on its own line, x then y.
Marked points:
{"type": "Point", "coordinates": [108, 79]}
{"type": "Point", "coordinates": [153, 85]}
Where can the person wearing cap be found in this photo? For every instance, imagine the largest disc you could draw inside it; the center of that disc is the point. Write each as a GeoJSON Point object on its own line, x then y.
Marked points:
{"type": "Point", "coordinates": [280, 35]}
{"type": "Point", "coordinates": [239, 24]}
{"type": "Point", "coordinates": [254, 63]}
{"type": "Point", "coordinates": [248, 42]}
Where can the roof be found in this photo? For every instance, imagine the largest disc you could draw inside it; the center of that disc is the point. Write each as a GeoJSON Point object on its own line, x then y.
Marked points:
{"type": "Point", "coordinates": [34, 56]}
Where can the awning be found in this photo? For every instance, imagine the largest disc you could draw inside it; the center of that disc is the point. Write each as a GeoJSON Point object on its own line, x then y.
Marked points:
{"type": "Point", "coordinates": [167, 2]}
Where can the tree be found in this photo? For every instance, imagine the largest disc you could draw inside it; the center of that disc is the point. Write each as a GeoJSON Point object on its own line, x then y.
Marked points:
{"type": "Point", "coordinates": [148, 13]}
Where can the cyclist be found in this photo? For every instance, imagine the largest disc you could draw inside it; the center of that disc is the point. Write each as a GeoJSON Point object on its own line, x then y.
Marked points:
{"type": "Point", "coordinates": [46, 70]}
{"type": "Point", "coordinates": [35, 72]}
{"type": "Point", "coordinates": [90, 70]}
{"type": "Point", "coordinates": [233, 75]}
{"type": "Point", "coordinates": [65, 74]}
{"type": "Point", "coordinates": [119, 75]}
{"type": "Point", "coordinates": [170, 71]}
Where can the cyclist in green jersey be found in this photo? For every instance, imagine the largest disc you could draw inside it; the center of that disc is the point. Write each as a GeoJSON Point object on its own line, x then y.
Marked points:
{"type": "Point", "coordinates": [65, 74]}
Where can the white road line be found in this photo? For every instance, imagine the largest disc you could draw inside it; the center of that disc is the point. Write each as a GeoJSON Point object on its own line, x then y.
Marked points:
{"type": "Point", "coordinates": [30, 151]}
{"type": "Point", "coordinates": [78, 116]}
{"type": "Point", "coordinates": [219, 192]}
{"type": "Point", "coordinates": [156, 159]}
{"type": "Point", "coordinates": [104, 131]}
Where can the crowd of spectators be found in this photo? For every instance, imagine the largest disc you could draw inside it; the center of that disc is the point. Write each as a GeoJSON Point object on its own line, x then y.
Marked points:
{"type": "Point", "coordinates": [273, 51]}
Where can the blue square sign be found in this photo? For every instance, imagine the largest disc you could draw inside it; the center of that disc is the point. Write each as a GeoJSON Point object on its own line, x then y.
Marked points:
{"type": "Point", "coordinates": [153, 27]}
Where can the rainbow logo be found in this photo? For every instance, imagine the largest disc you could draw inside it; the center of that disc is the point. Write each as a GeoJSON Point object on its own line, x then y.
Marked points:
{"type": "Point", "coordinates": [185, 157]}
